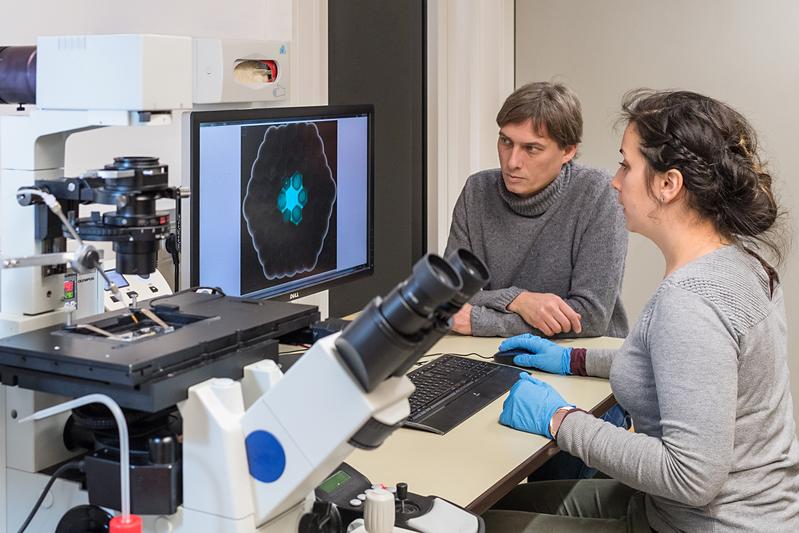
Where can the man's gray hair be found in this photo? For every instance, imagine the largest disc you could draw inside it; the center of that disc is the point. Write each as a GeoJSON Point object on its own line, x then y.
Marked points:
{"type": "Point", "coordinates": [550, 105]}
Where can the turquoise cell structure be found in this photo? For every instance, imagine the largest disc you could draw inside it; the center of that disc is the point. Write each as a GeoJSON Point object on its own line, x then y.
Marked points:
{"type": "Point", "coordinates": [292, 198]}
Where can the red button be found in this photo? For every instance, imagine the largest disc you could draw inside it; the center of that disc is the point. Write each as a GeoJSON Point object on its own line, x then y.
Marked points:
{"type": "Point", "coordinates": [68, 286]}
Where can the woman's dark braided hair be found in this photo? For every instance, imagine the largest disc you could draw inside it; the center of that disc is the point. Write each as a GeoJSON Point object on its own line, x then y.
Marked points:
{"type": "Point", "coordinates": [715, 149]}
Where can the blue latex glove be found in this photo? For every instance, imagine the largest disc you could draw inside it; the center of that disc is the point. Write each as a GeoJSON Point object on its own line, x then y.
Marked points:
{"type": "Point", "coordinates": [530, 405]}
{"type": "Point", "coordinates": [543, 354]}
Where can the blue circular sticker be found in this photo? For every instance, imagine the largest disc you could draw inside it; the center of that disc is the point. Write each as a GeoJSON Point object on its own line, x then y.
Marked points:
{"type": "Point", "coordinates": [265, 456]}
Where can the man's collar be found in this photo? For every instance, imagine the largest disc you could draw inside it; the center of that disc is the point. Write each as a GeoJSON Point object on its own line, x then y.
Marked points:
{"type": "Point", "coordinates": [538, 203]}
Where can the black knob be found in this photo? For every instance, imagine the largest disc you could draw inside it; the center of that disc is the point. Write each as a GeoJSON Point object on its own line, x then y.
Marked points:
{"type": "Point", "coordinates": [323, 518]}
{"type": "Point", "coordinates": [402, 491]}
{"type": "Point", "coordinates": [162, 450]}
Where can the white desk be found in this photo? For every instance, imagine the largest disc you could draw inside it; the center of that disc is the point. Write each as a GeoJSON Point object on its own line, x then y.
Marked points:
{"type": "Point", "coordinates": [479, 461]}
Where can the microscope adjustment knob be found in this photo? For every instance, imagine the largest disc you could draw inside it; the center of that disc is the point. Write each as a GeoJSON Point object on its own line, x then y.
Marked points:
{"type": "Point", "coordinates": [83, 518]}
{"type": "Point", "coordinates": [402, 491]}
{"type": "Point", "coordinates": [323, 518]}
{"type": "Point", "coordinates": [86, 258]}
{"type": "Point", "coordinates": [162, 450]}
{"type": "Point", "coordinates": [379, 512]}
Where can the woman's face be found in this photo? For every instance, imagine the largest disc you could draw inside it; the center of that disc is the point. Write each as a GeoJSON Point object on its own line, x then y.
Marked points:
{"type": "Point", "coordinates": [632, 183]}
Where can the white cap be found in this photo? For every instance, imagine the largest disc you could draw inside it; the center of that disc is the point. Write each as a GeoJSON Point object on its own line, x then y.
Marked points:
{"type": "Point", "coordinates": [378, 514]}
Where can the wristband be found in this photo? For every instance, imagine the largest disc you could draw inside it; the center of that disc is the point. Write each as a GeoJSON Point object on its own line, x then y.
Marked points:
{"type": "Point", "coordinates": [567, 408]}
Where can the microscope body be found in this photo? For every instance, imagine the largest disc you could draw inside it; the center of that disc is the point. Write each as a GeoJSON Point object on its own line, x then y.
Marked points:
{"type": "Point", "coordinates": [274, 438]}
{"type": "Point", "coordinates": [254, 450]}
{"type": "Point", "coordinates": [32, 150]}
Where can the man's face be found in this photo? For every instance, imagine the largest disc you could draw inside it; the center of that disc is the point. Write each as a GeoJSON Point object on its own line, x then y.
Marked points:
{"type": "Point", "coordinates": [530, 160]}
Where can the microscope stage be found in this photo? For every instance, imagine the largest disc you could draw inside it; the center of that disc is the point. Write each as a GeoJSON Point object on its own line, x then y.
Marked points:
{"type": "Point", "coordinates": [142, 365]}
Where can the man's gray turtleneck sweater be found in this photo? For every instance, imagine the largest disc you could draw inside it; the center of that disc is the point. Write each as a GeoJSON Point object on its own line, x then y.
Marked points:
{"type": "Point", "coordinates": [568, 239]}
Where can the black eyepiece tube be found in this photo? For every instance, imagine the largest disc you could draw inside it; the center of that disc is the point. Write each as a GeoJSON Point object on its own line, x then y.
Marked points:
{"type": "Point", "coordinates": [388, 331]}
{"type": "Point", "coordinates": [472, 271]}
{"type": "Point", "coordinates": [410, 306]}
{"type": "Point", "coordinates": [390, 335]}
{"type": "Point", "coordinates": [17, 74]}
{"type": "Point", "coordinates": [474, 275]}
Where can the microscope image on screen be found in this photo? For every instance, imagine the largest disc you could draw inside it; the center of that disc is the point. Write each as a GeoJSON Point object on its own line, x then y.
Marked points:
{"type": "Point", "coordinates": [289, 196]}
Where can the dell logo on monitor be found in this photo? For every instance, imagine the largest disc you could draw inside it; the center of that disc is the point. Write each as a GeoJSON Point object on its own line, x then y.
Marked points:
{"type": "Point", "coordinates": [294, 295]}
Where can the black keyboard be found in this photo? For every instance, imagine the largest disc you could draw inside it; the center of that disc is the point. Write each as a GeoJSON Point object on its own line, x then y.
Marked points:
{"type": "Point", "coordinates": [452, 388]}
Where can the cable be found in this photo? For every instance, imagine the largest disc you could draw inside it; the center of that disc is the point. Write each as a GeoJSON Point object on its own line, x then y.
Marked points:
{"type": "Point", "coordinates": [475, 354]}
{"type": "Point", "coordinates": [178, 238]}
{"type": "Point", "coordinates": [292, 352]}
{"type": "Point", "coordinates": [214, 290]}
{"type": "Point", "coordinates": [425, 358]}
{"type": "Point", "coordinates": [74, 465]}
{"type": "Point", "coordinates": [52, 203]}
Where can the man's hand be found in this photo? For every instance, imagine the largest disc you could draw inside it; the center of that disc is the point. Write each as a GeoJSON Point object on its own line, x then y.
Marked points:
{"type": "Point", "coordinates": [462, 320]}
{"type": "Point", "coordinates": [547, 312]}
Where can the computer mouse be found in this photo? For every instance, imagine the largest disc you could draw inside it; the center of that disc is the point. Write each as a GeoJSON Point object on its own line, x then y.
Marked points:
{"type": "Point", "coordinates": [506, 357]}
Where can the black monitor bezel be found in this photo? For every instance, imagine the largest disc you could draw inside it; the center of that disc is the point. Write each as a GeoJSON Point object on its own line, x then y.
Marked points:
{"type": "Point", "coordinates": [280, 113]}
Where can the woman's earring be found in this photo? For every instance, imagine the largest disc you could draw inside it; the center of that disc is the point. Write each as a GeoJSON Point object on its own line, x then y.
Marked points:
{"type": "Point", "coordinates": [662, 200]}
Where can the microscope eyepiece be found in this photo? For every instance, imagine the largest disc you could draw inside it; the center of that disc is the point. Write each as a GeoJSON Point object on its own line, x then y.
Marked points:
{"type": "Point", "coordinates": [432, 283]}
{"type": "Point", "coordinates": [472, 272]}
{"type": "Point", "coordinates": [409, 308]}
{"type": "Point", "coordinates": [444, 271]}
{"type": "Point", "coordinates": [391, 334]}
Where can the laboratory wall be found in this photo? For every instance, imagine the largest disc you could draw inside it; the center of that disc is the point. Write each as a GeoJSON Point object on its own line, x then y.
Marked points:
{"type": "Point", "coordinates": [470, 51]}
{"type": "Point", "coordinates": [741, 52]}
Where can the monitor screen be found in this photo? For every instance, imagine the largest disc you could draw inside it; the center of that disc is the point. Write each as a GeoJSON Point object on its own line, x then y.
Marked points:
{"type": "Point", "coordinates": [281, 199]}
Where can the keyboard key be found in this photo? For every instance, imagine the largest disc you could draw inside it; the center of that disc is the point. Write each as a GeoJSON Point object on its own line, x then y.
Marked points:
{"type": "Point", "coordinates": [444, 378]}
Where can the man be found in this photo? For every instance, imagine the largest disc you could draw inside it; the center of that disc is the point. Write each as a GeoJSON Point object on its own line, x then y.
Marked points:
{"type": "Point", "coordinates": [550, 230]}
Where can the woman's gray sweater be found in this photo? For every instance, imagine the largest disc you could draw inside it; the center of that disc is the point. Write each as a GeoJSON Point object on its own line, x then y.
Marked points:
{"type": "Point", "coordinates": [704, 374]}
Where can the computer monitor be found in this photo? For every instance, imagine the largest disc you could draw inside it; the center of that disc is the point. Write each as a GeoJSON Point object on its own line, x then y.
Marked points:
{"type": "Point", "coordinates": [281, 199]}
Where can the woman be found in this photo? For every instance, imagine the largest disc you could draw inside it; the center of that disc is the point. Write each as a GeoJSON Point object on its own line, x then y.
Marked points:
{"type": "Point", "coordinates": [704, 373]}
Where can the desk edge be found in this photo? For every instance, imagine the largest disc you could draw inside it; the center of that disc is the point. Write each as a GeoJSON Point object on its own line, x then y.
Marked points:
{"type": "Point", "coordinates": [491, 496]}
